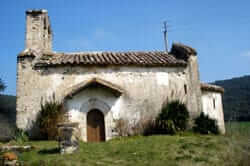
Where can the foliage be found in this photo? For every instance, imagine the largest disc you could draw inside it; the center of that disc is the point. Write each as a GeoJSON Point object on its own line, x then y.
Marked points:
{"type": "Point", "coordinates": [236, 99]}
{"type": "Point", "coordinates": [21, 136]}
{"type": "Point", "coordinates": [51, 114]}
{"type": "Point", "coordinates": [205, 125]}
{"type": "Point", "coordinates": [2, 85]}
{"type": "Point", "coordinates": [173, 118]}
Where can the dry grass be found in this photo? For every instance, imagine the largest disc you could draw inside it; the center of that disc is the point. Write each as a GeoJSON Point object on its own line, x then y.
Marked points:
{"type": "Point", "coordinates": [238, 144]}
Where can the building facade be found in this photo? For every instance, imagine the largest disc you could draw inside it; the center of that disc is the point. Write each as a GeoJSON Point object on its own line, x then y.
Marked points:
{"type": "Point", "coordinates": [100, 88]}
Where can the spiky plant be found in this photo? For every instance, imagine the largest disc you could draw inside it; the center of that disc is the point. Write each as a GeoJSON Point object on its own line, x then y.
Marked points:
{"type": "Point", "coordinates": [51, 114]}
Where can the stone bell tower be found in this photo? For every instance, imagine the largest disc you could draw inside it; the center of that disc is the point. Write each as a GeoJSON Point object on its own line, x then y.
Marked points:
{"type": "Point", "coordinates": [38, 39]}
{"type": "Point", "coordinates": [38, 30]}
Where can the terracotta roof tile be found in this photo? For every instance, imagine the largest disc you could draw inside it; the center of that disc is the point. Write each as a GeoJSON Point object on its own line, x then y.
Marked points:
{"type": "Point", "coordinates": [156, 58]}
{"type": "Point", "coordinates": [210, 87]}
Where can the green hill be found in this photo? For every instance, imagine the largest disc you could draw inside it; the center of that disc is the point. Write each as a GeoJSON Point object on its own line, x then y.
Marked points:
{"type": "Point", "coordinates": [8, 106]}
{"type": "Point", "coordinates": [7, 116]}
{"type": "Point", "coordinates": [236, 99]}
{"type": "Point", "coordinates": [183, 149]}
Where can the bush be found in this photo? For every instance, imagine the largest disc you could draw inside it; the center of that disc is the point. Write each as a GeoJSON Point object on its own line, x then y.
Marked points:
{"type": "Point", "coordinates": [173, 118]}
{"type": "Point", "coordinates": [51, 114]}
{"type": "Point", "coordinates": [205, 125]}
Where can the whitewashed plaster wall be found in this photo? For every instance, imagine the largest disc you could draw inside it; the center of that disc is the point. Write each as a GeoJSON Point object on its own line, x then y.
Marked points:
{"type": "Point", "coordinates": [146, 89]}
{"type": "Point", "coordinates": [85, 101]}
{"type": "Point", "coordinates": [214, 110]}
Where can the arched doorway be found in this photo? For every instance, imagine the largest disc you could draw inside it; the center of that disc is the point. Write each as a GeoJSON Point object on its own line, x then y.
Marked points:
{"type": "Point", "coordinates": [95, 126]}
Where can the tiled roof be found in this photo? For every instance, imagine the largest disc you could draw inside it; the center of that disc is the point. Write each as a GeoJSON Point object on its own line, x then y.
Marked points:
{"type": "Point", "coordinates": [155, 58]}
{"type": "Point", "coordinates": [209, 87]}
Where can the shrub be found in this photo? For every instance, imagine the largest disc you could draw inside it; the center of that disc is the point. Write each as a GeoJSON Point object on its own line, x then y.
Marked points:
{"type": "Point", "coordinates": [51, 114]}
{"type": "Point", "coordinates": [205, 125]}
{"type": "Point", "coordinates": [173, 118]}
{"type": "Point", "coordinates": [21, 136]}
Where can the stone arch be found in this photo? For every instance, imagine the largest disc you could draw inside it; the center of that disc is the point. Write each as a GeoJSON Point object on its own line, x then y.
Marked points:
{"type": "Point", "coordinates": [104, 108]}
{"type": "Point", "coordinates": [95, 126]}
{"type": "Point", "coordinates": [94, 103]}
{"type": "Point", "coordinates": [72, 91]}
{"type": "Point", "coordinates": [93, 94]}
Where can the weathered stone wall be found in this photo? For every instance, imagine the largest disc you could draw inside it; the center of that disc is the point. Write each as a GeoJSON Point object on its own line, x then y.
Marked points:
{"type": "Point", "coordinates": [145, 91]}
{"type": "Point", "coordinates": [213, 107]}
{"type": "Point", "coordinates": [194, 98]}
{"type": "Point", "coordinates": [189, 55]}
{"type": "Point", "coordinates": [38, 30]}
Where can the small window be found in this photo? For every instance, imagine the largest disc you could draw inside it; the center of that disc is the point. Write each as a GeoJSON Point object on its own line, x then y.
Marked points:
{"type": "Point", "coordinates": [49, 30]}
{"type": "Point", "coordinates": [185, 88]}
{"type": "Point", "coordinates": [214, 102]}
{"type": "Point", "coordinates": [44, 23]}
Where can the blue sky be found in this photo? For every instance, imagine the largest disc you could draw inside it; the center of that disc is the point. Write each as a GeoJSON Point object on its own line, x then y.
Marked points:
{"type": "Point", "coordinates": [219, 30]}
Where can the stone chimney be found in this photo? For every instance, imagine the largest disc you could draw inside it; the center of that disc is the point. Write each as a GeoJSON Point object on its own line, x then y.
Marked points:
{"type": "Point", "coordinates": [38, 30]}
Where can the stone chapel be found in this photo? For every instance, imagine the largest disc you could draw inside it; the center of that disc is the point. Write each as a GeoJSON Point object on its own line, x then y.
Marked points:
{"type": "Point", "coordinates": [99, 88]}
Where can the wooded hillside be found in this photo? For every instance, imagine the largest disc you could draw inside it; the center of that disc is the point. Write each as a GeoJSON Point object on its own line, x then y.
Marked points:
{"type": "Point", "coordinates": [7, 116]}
{"type": "Point", "coordinates": [236, 99]}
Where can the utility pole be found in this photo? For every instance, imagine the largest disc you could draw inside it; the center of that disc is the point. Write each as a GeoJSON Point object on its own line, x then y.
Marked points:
{"type": "Point", "coordinates": [165, 32]}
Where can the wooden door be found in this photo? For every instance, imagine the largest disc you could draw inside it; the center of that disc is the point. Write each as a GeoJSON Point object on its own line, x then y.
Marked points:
{"type": "Point", "coordinates": [95, 126]}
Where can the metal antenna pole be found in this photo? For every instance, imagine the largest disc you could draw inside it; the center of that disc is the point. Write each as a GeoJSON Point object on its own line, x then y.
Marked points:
{"type": "Point", "coordinates": [165, 32]}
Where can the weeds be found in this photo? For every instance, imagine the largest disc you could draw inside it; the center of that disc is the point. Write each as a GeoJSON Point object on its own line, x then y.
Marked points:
{"type": "Point", "coordinates": [21, 136]}
{"type": "Point", "coordinates": [51, 114]}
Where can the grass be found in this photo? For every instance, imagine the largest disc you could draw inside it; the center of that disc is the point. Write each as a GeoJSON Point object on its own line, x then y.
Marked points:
{"type": "Point", "coordinates": [238, 142]}
{"type": "Point", "coordinates": [183, 149]}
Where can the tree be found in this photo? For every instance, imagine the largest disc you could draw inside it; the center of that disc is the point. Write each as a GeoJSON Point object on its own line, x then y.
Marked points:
{"type": "Point", "coordinates": [2, 85]}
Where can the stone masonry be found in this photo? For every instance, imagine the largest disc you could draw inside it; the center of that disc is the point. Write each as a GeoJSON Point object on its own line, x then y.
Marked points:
{"type": "Point", "coordinates": [121, 85]}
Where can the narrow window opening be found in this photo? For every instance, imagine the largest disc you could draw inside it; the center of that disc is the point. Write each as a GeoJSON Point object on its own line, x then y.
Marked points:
{"type": "Point", "coordinates": [49, 30]}
{"type": "Point", "coordinates": [44, 23]}
{"type": "Point", "coordinates": [214, 102]}
{"type": "Point", "coordinates": [185, 88]}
